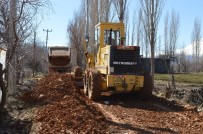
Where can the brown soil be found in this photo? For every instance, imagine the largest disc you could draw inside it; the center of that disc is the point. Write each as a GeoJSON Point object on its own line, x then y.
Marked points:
{"type": "Point", "coordinates": [57, 105]}
{"type": "Point", "coordinates": [65, 108]}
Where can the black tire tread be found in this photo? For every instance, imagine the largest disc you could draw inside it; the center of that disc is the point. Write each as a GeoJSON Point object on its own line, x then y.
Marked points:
{"type": "Point", "coordinates": [146, 92]}
{"type": "Point", "coordinates": [95, 85]}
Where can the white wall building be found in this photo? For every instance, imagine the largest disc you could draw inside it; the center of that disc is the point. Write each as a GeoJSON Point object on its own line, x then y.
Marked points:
{"type": "Point", "coordinates": [3, 55]}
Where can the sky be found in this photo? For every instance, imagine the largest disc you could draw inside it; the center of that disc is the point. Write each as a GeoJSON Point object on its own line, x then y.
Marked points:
{"type": "Point", "coordinates": [57, 22]}
{"type": "Point", "coordinates": [63, 12]}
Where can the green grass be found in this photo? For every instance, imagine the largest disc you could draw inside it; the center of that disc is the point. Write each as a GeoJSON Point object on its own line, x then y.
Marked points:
{"type": "Point", "coordinates": [193, 78]}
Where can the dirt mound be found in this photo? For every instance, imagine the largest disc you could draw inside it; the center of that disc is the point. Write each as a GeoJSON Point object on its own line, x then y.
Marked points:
{"type": "Point", "coordinates": [65, 108]}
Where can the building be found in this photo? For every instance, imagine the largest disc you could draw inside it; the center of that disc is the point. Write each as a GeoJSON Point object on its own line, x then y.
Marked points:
{"type": "Point", "coordinates": [3, 51]}
{"type": "Point", "coordinates": [162, 65]}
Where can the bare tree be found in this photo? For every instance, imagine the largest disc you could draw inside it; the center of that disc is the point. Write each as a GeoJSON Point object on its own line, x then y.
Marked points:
{"type": "Point", "coordinates": [76, 33]}
{"type": "Point", "coordinates": [16, 19]}
{"type": "Point", "coordinates": [96, 11]}
{"type": "Point", "coordinates": [184, 65]}
{"type": "Point", "coordinates": [104, 10]}
{"type": "Point", "coordinates": [139, 27]}
{"type": "Point", "coordinates": [133, 28]}
{"type": "Point", "coordinates": [174, 32]}
{"type": "Point", "coordinates": [196, 41]}
{"type": "Point", "coordinates": [127, 27]}
{"type": "Point", "coordinates": [171, 33]}
{"type": "Point", "coordinates": [166, 34]}
{"type": "Point", "coordinates": [182, 61]}
{"type": "Point", "coordinates": [83, 25]}
{"type": "Point", "coordinates": [158, 46]}
{"type": "Point", "coordinates": [120, 7]}
{"type": "Point", "coordinates": [151, 14]}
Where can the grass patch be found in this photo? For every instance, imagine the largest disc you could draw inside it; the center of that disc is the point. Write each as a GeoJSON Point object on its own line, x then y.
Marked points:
{"type": "Point", "coordinates": [193, 78]}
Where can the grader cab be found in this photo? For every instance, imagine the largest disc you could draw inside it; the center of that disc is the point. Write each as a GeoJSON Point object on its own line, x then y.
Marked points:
{"type": "Point", "coordinates": [113, 66]}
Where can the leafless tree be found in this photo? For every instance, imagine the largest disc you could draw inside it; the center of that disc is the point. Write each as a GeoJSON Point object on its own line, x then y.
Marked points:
{"type": "Point", "coordinates": [196, 41]}
{"type": "Point", "coordinates": [16, 25]}
{"type": "Point", "coordinates": [104, 10]}
{"type": "Point", "coordinates": [76, 34]}
{"type": "Point", "coordinates": [120, 7]}
{"type": "Point", "coordinates": [151, 14]}
{"type": "Point", "coordinates": [158, 45]}
{"type": "Point", "coordinates": [174, 32]}
{"type": "Point", "coordinates": [166, 34]}
{"type": "Point", "coordinates": [183, 62]}
{"type": "Point", "coordinates": [83, 25]}
{"type": "Point", "coordinates": [96, 11]}
{"type": "Point", "coordinates": [133, 28]}
{"type": "Point", "coordinates": [139, 27]}
{"type": "Point", "coordinates": [127, 27]}
{"type": "Point", "coordinates": [171, 33]}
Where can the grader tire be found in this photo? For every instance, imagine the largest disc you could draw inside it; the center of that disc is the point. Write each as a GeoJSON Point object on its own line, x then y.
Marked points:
{"type": "Point", "coordinates": [78, 72]}
{"type": "Point", "coordinates": [94, 79]}
{"type": "Point", "coordinates": [85, 81]}
{"type": "Point", "coordinates": [146, 92]}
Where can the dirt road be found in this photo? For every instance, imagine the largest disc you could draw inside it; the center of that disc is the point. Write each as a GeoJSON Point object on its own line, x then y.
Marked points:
{"type": "Point", "coordinates": [154, 116]}
{"type": "Point", "coordinates": [56, 105]}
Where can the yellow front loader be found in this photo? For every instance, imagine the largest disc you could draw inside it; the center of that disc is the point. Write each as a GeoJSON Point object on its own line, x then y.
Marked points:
{"type": "Point", "coordinates": [111, 66]}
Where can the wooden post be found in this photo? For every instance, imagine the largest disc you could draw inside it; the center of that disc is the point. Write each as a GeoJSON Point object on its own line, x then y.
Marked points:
{"type": "Point", "coordinates": [12, 65]}
{"type": "Point", "coordinates": [34, 55]}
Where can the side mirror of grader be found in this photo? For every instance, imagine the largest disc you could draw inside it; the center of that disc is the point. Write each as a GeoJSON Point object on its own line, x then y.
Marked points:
{"type": "Point", "coordinates": [86, 45]}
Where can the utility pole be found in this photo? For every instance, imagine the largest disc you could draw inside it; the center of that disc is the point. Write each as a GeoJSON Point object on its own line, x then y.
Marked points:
{"type": "Point", "coordinates": [47, 35]}
{"type": "Point", "coordinates": [46, 50]}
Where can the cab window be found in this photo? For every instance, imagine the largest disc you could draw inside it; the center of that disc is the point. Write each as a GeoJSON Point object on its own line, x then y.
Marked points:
{"type": "Point", "coordinates": [97, 36]}
{"type": "Point", "coordinates": [111, 37]}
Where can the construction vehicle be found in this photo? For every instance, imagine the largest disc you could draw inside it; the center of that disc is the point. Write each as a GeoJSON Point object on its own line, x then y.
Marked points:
{"type": "Point", "coordinates": [111, 66]}
{"type": "Point", "coordinates": [59, 59]}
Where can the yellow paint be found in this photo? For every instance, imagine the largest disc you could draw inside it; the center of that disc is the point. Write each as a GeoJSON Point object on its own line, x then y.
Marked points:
{"type": "Point", "coordinates": [102, 56]}
{"type": "Point", "coordinates": [100, 61]}
{"type": "Point", "coordinates": [107, 26]}
{"type": "Point", "coordinates": [133, 82]}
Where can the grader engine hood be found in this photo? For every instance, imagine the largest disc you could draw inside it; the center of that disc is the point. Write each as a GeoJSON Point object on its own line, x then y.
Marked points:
{"type": "Point", "coordinates": [124, 59]}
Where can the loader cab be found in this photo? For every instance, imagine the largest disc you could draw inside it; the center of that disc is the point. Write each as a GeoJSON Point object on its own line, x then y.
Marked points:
{"type": "Point", "coordinates": [109, 34]}
{"type": "Point", "coordinates": [112, 37]}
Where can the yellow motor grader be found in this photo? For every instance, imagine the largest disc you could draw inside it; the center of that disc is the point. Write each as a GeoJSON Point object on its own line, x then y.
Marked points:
{"type": "Point", "coordinates": [113, 66]}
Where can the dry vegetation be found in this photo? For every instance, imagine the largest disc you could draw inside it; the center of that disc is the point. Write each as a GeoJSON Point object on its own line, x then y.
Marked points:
{"type": "Point", "coordinates": [195, 79]}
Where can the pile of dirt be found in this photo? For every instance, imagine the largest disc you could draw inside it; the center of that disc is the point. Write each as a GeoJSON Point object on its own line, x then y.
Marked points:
{"type": "Point", "coordinates": [65, 109]}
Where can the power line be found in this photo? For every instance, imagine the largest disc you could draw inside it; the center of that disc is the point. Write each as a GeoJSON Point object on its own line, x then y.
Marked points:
{"type": "Point", "coordinates": [47, 35]}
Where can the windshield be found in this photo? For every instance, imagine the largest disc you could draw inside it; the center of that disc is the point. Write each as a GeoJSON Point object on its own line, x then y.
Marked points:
{"type": "Point", "coordinates": [112, 37]}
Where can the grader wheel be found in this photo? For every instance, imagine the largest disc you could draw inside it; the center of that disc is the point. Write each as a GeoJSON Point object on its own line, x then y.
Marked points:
{"type": "Point", "coordinates": [78, 71]}
{"type": "Point", "coordinates": [146, 92]}
{"type": "Point", "coordinates": [85, 81]}
{"type": "Point", "coordinates": [94, 79]}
